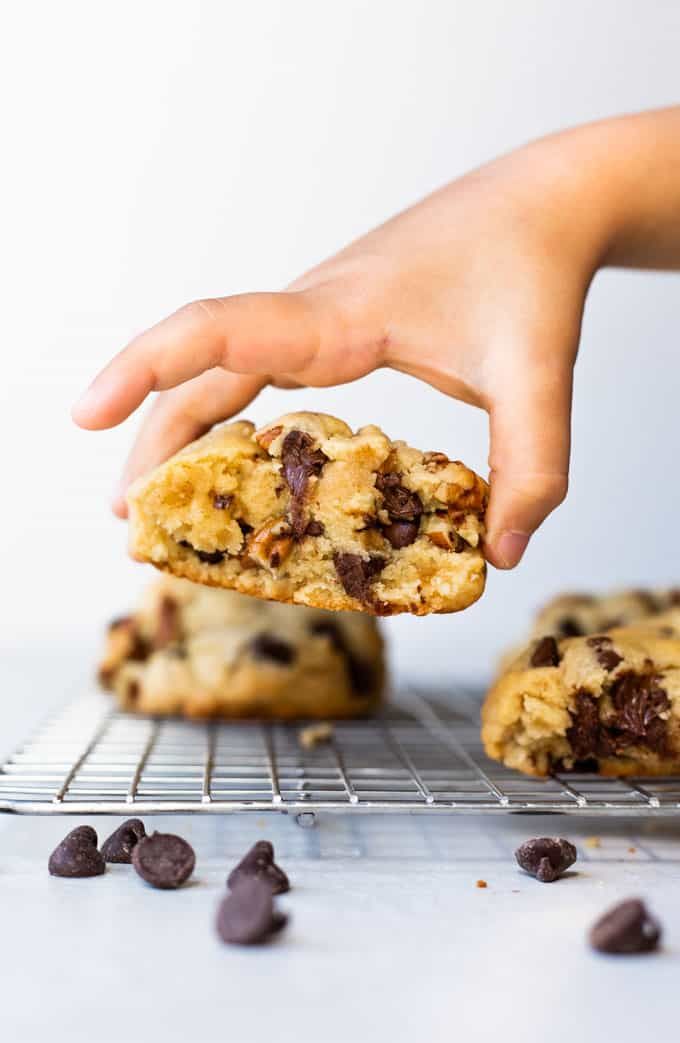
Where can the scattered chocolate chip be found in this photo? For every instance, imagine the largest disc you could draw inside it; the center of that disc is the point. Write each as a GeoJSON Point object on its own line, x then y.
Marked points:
{"type": "Point", "coordinates": [546, 653]}
{"type": "Point", "coordinates": [259, 864]}
{"type": "Point", "coordinates": [401, 533]}
{"type": "Point", "coordinates": [626, 929]}
{"type": "Point", "coordinates": [299, 461]}
{"type": "Point", "coordinates": [208, 557]}
{"type": "Point", "coordinates": [546, 858]}
{"type": "Point", "coordinates": [163, 860]}
{"type": "Point", "coordinates": [119, 846]}
{"type": "Point", "coordinates": [168, 627]}
{"type": "Point", "coordinates": [264, 646]}
{"type": "Point", "coordinates": [246, 916]}
{"type": "Point", "coordinates": [221, 501]}
{"type": "Point", "coordinates": [569, 627]}
{"type": "Point", "coordinates": [606, 655]}
{"type": "Point", "coordinates": [77, 855]}
{"type": "Point", "coordinates": [401, 504]}
{"type": "Point", "coordinates": [314, 528]}
{"type": "Point", "coordinates": [356, 574]}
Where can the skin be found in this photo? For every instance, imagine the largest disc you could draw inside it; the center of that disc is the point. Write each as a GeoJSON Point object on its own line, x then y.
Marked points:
{"type": "Point", "coordinates": [478, 290]}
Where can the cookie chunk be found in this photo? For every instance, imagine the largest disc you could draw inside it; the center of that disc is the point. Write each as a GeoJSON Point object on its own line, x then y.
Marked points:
{"type": "Point", "coordinates": [306, 511]}
{"type": "Point", "coordinates": [606, 702]}
{"type": "Point", "coordinates": [199, 652]}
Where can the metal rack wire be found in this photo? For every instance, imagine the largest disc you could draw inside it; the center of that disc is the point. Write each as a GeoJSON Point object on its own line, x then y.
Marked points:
{"type": "Point", "coordinates": [419, 755]}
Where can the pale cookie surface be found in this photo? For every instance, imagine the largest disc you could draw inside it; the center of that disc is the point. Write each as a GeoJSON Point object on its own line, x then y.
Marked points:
{"type": "Point", "coordinates": [608, 702]}
{"type": "Point", "coordinates": [306, 511]}
{"type": "Point", "coordinates": [198, 652]}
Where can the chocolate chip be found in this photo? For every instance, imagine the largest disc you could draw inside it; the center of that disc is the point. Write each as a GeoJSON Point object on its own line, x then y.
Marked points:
{"type": "Point", "coordinates": [626, 929]}
{"type": "Point", "coordinates": [168, 627]}
{"type": "Point", "coordinates": [545, 653]}
{"type": "Point", "coordinates": [299, 461]}
{"type": "Point", "coordinates": [119, 846]}
{"type": "Point", "coordinates": [674, 596]}
{"type": "Point", "coordinates": [208, 557]}
{"type": "Point", "coordinates": [77, 855]}
{"type": "Point", "coordinates": [314, 528]}
{"type": "Point", "coordinates": [163, 860]}
{"type": "Point", "coordinates": [584, 730]}
{"type": "Point", "coordinates": [264, 646]}
{"type": "Point", "coordinates": [259, 864]}
{"type": "Point", "coordinates": [568, 627]}
{"type": "Point", "coordinates": [244, 527]}
{"type": "Point", "coordinates": [546, 858]}
{"type": "Point", "coordinates": [606, 656]}
{"type": "Point", "coordinates": [401, 504]}
{"type": "Point", "coordinates": [221, 501]}
{"type": "Point", "coordinates": [356, 574]}
{"type": "Point", "coordinates": [133, 691]}
{"type": "Point", "coordinates": [400, 534]}
{"type": "Point", "coordinates": [246, 916]}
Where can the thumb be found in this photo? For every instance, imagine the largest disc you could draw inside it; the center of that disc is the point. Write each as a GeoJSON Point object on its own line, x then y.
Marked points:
{"type": "Point", "coordinates": [529, 461]}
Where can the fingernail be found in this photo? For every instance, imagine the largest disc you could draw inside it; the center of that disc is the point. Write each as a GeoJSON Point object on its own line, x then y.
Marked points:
{"type": "Point", "coordinates": [509, 548]}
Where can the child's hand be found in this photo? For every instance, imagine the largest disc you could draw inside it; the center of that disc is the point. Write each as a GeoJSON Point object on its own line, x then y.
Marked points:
{"type": "Point", "coordinates": [478, 290]}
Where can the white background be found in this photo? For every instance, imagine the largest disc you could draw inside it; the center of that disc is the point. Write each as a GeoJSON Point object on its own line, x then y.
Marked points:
{"type": "Point", "coordinates": [158, 152]}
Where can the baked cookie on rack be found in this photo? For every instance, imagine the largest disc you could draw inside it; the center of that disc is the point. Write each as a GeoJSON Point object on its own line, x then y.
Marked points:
{"type": "Point", "coordinates": [198, 652]}
{"type": "Point", "coordinates": [607, 702]}
{"type": "Point", "coordinates": [306, 511]}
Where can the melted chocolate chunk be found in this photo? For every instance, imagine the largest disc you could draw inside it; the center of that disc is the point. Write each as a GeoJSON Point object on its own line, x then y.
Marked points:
{"type": "Point", "coordinates": [626, 929]}
{"type": "Point", "coordinates": [356, 574]}
{"type": "Point", "coordinates": [400, 533]}
{"type": "Point", "coordinates": [221, 501]}
{"type": "Point", "coordinates": [607, 657]}
{"type": "Point", "coordinates": [400, 503]}
{"type": "Point", "coordinates": [638, 702]}
{"type": "Point", "coordinates": [314, 528]}
{"type": "Point", "coordinates": [362, 674]}
{"type": "Point", "coordinates": [265, 646]}
{"type": "Point", "coordinates": [299, 461]}
{"type": "Point", "coordinates": [674, 596]}
{"type": "Point", "coordinates": [244, 527]}
{"type": "Point", "coordinates": [545, 653]}
{"type": "Point", "coordinates": [208, 557]}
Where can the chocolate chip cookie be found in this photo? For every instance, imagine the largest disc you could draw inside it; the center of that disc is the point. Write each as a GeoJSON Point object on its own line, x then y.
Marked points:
{"type": "Point", "coordinates": [306, 511]}
{"type": "Point", "coordinates": [607, 702]}
{"type": "Point", "coordinates": [200, 652]}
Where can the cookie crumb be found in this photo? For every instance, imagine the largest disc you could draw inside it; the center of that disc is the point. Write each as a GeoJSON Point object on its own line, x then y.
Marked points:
{"type": "Point", "coordinates": [481, 883]}
{"type": "Point", "coordinates": [592, 842]}
{"type": "Point", "coordinates": [632, 850]}
{"type": "Point", "coordinates": [315, 734]}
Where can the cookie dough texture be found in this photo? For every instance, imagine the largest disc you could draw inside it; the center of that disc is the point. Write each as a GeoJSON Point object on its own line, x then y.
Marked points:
{"type": "Point", "coordinates": [608, 702]}
{"type": "Point", "coordinates": [306, 511]}
{"type": "Point", "coordinates": [194, 651]}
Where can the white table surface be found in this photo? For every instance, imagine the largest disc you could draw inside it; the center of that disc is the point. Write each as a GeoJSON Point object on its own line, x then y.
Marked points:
{"type": "Point", "coordinates": [389, 939]}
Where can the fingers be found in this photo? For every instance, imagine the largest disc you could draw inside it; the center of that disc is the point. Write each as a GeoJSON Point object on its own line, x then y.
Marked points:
{"type": "Point", "coordinates": [280, 333]}
{"type": "Point", "coordinates": [179, 416]}
{"type": "Point", "coordinates": [529, 460]}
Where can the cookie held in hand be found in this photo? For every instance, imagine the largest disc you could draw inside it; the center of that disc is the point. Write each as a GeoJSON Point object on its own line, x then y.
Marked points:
{"type": "Point", "coordinates": [305, 510]}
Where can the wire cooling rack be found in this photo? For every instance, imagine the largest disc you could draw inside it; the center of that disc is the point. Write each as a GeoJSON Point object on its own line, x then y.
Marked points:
{"type": "Point", "coordinates": [422, 754]}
